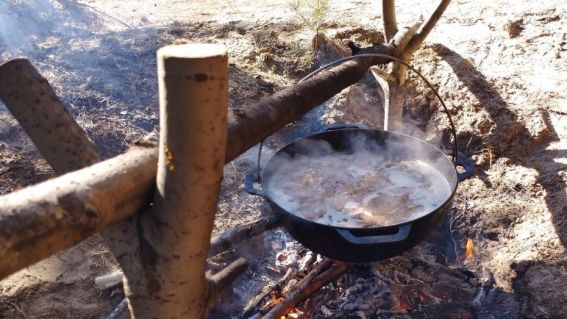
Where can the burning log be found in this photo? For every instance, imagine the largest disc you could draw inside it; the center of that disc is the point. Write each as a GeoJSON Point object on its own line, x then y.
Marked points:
{"type": "Point", "coordinates": [324, 273]}
{"type": "Point", "coordinates": [278, 285]}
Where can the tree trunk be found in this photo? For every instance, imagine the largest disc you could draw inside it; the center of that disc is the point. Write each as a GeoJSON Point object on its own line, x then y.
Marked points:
{"type": "Point", "coordinates": [193, 85]}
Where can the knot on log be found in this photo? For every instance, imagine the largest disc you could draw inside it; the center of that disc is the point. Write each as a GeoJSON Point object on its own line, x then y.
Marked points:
{"type": "Point", "coordinates": [88, 219]}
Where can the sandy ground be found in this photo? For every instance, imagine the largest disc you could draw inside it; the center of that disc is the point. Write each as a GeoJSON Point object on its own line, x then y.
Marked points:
{"type": "Point", "coordinates": [500, 65]}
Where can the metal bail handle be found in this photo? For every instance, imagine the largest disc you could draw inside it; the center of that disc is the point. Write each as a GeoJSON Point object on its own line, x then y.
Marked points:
{"type": "Point", "coordinates": [410, 67]}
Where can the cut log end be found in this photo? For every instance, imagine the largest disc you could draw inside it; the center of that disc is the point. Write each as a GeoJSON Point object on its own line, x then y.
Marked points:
{"type": "Point", "coordinates": [192, 51]}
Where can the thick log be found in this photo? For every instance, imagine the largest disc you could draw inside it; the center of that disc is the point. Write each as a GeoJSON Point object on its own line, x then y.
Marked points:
{"type": "Point", "coordinates": [32, 101]}
{"type": "Point", "coordinates": [270, 114]}
{"type": "Point", "coordinates": [193, 89]}
{"type": "Point", "coordinates": [40, 220]}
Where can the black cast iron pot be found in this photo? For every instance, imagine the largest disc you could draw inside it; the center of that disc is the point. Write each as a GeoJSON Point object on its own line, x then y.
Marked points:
{"type": "Point", "coordinates": [362, 244]}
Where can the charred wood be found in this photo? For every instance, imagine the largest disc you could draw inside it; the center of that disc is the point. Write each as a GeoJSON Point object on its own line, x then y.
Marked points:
{"type": "Point", "coordinates": [241, 233]}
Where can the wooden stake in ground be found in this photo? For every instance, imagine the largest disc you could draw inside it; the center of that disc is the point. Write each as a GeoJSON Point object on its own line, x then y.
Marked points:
{"type": "Point", "coordinates": [407, 40]}
{"type": "Point", "coordinates": [193, 87]}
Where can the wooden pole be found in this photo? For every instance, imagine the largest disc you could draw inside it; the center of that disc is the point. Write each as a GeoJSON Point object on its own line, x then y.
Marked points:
{"type": "Point", "coordinates": [389, 19]}
{"type": "Point", "coordinates": [193, 86]}
{"type": "Point", "coordinates": [32, 101]}
{"type": "Point", "coordinates": [40, 220]}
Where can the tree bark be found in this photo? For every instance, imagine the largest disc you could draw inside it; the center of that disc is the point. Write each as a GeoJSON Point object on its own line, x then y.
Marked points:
{"type": "Point", "coordinates": [40, 220]}
{"type": "Point", "coordinates": [270, 114]}
{"type": "Point", "coordinates": [389, 19]}
{"type": "Point", "coordinates": [32, 101]}
{"type": "Point", "coordinates": [193, 85]}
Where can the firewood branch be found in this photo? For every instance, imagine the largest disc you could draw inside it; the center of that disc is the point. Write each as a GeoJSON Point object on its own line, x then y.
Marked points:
{"type": "Point", "coordinates": [40, 220]}
{"type": "Point", "coordinates": [220, 282]}
{"type": "Point", "coordinates": [389, 19]}
{"type": "Point", "coordinates": [324, 273]}
{"type": "Point", "coordinates": [33, 102]}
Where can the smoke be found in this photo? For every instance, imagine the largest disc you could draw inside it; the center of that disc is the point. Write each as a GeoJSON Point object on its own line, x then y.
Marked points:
{"type": "Point", "coordinates": [25, 24]}
{"type": "Point", "coordinates": [99, 67]}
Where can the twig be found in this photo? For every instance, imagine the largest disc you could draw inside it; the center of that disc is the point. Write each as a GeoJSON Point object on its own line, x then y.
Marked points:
{"type": "Point", "coordinates": [266, 291]}
{"type": "Point", "coordinates": [238, 234]}
{"type": "Point", "coordinates": [389, 19]}
{"type": "Point", "coordinates": [25, 315]}
{"type": "Point", "coordinates": [119, 310]}
{"type": "Point", "coordinates": [319, 277]}
{"type": "Point", "coordinates": [220, 282]}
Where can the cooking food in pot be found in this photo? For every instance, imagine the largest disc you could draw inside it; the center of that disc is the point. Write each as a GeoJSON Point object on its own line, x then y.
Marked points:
{"type": "Point", "coordinates": [363, 189]}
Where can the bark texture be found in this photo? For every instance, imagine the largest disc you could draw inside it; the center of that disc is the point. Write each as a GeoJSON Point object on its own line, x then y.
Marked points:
{"type": "Point", "coordinates": [193, 86]}
{"type": "Point", "coordinates": [40, 220]}
{"type": "Point", "coordinates": [270, 114]}
{"type": "Point", "coordinates": [426, 28]}
{"type": "Point", "coordinates": [32, 101]}
{"type": "Point", "coordinates": [389, 19]}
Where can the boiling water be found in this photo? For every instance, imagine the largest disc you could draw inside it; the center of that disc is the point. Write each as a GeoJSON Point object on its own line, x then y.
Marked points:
{"type": "Point", "coordinates": [358, 190]}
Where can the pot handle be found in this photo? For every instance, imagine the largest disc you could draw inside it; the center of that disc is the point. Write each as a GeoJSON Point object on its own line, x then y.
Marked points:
{"type": "Point", "coordinates": [250, 178]}
{"type": "Point", "coordinates": [401, 235]}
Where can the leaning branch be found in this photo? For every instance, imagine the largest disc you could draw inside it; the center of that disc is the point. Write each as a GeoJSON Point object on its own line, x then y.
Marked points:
{"type": "Point", "coordinates": [426, 28]}
{"type": "Point", "coordinates": [33, 102]}
{"type": "Point", "coordinates": [270, 114]}
{"type": "Point", "coordinates": [221, 281]}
